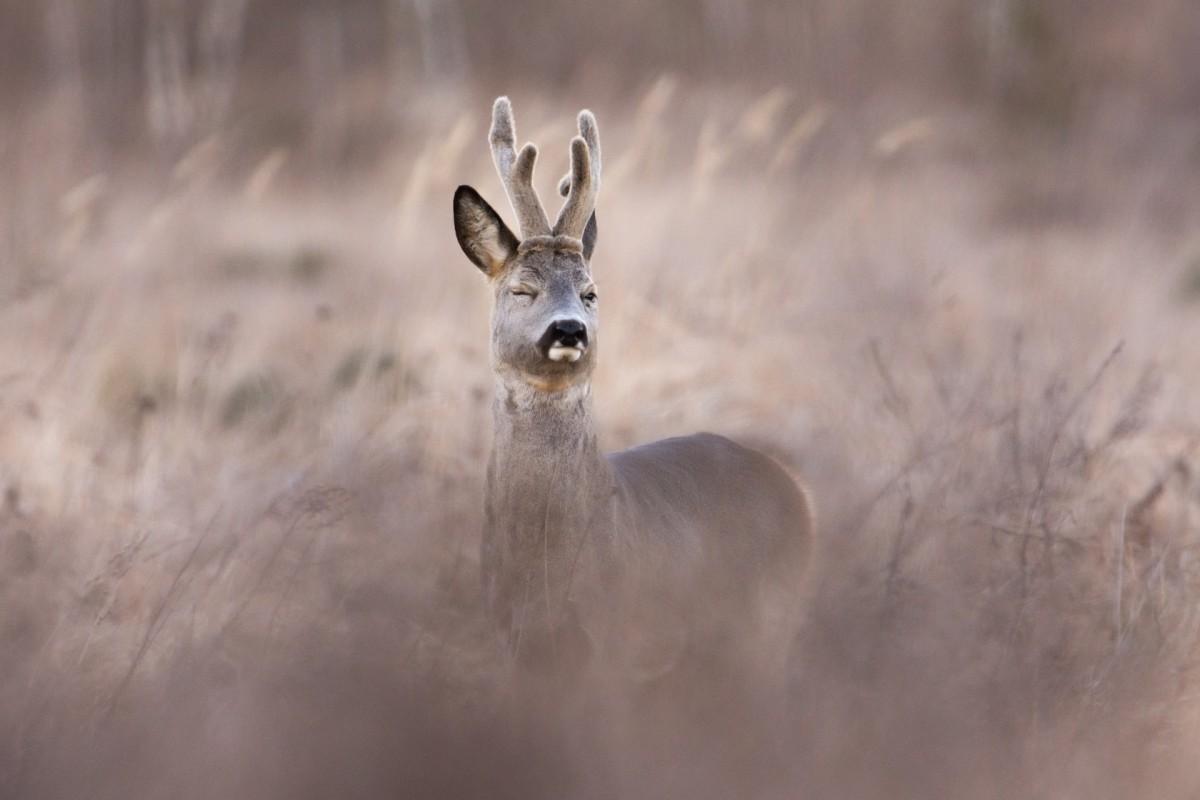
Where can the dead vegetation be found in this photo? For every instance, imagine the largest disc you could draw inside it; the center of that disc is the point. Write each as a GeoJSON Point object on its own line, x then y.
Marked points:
{"type": "Point", "coordinates": [245, 409]}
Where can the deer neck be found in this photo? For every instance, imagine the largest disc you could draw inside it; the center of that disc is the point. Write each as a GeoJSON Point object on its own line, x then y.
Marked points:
{"type": "Point", "coordinates": [549, 492]}
{"type": "Point", "coordinates": [545, 447]}
{"type": "Point", "coordinates": [548, 508]}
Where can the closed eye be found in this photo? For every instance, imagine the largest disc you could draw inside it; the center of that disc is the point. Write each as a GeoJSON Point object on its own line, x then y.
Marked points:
{"type": "Point", "coordinates": [524, 291]}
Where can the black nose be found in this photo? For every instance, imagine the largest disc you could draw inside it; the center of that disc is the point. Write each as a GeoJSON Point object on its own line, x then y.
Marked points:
{"type": "Point", "coordinates": [568, 333]}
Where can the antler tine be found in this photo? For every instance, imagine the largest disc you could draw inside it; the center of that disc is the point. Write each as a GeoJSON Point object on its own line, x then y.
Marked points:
{"type": "Point", "coordinates": [584, 179]}
{"type": "Point", "coordinates": [516, 171]}
{"type": "Point", "coordinates": [591, 135]}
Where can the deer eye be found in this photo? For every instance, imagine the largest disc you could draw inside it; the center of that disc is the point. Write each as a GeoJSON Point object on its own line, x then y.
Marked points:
{"type": "Point", "coordinates": [523, 291]}
{"type": "Point", "coordinates": [589, 296]}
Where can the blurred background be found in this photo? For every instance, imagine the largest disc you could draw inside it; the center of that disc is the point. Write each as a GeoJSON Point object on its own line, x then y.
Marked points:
{"type": "Point", "coordinates": [940, 258]}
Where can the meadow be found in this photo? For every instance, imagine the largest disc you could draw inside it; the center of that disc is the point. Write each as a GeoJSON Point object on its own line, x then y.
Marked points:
{"type": "Point", "coordinates": [246, 410]}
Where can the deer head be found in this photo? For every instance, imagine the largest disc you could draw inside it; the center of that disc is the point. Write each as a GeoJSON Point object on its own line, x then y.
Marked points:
{"type": "Point", "coordinates": [544, 323]}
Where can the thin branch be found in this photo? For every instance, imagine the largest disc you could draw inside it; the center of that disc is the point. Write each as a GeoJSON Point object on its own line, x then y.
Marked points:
{"type": "Point", "coordinates": [159, 616]}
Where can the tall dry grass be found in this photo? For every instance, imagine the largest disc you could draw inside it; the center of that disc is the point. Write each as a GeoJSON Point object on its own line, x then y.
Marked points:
{"type": "Point", "coordinates": [245, 393]}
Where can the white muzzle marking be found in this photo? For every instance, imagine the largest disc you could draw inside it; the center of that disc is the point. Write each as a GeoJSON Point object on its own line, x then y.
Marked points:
{"type": "Point", "coordinates": [560, 353]}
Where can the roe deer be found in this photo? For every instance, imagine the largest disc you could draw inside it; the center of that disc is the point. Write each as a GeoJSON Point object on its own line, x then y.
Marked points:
{"type": "Point", "coordinates": [684, 531]}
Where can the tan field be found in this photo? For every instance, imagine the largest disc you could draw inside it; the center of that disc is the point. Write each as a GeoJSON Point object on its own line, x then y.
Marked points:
{"type": "Point", "coordinates": [245, 400]}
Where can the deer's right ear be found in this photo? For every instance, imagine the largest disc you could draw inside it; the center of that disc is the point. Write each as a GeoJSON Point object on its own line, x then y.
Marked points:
{"type": "Point", "coordinates": [481, 233]}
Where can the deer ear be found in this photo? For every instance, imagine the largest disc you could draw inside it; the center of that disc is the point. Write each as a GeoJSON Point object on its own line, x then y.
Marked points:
{"type": "Point", "coordinates": [589, 237]}
{"type": "Point", "coordinates": [481, 233]}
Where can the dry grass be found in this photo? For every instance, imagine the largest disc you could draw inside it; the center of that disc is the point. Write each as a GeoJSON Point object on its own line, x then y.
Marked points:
{"type": "Point", "coordinates": [246, 410]}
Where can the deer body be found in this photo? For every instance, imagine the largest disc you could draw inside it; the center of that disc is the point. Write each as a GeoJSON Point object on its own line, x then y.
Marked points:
{"type": "Point", "coordinates": [688, 532]}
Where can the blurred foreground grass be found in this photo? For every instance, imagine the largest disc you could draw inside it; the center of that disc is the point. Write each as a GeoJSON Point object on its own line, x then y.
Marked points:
{"type": "Point", "coordinates": [246, 410]}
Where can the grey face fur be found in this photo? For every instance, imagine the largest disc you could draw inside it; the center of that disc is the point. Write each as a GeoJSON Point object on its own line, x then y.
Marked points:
{"type": "Point", "coordinates": [545, 292]}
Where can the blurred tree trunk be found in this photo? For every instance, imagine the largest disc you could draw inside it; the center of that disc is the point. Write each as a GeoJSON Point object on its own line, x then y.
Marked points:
{"type": "Point", "coordinates": [443, 40]}
{"type": "Point", "coordinates": [112, 34]}
{"type": "Point", "coordinates": [169, 108]}
{"type": "Point", "coordinates": [726, 27]}
{"type": "Point", "coordinates": [1029, 64]}
{"type": "Point", "coordinates": [323, 53]}
{"type": "Point", "coordinates": [65, 59]}
{"type": "Point", "coordinates": [218, 55]}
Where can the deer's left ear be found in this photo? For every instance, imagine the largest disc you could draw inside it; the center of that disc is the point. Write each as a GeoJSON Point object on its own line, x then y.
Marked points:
{"type": "Point", "coordinates": [589, 237]}
{"type": "Point", "coordinates": [481, 233]}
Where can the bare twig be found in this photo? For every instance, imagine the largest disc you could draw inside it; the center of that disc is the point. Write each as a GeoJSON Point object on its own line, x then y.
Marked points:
{"type": "Point", "coordinates": [159, 615]}
{"type": "Point", "coordinates": [1118, 590]}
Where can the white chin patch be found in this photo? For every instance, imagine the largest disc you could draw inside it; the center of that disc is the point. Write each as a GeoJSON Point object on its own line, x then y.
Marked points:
{"type": "Point", "coordinates": [560, 353]}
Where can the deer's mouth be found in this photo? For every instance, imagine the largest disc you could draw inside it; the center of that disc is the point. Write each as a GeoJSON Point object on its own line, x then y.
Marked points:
{"type": "Point", "coordinates": [565, 353]}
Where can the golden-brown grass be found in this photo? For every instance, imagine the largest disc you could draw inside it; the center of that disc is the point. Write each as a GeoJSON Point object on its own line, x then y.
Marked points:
{"type": "Point", "coordinates": [247, 410]}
